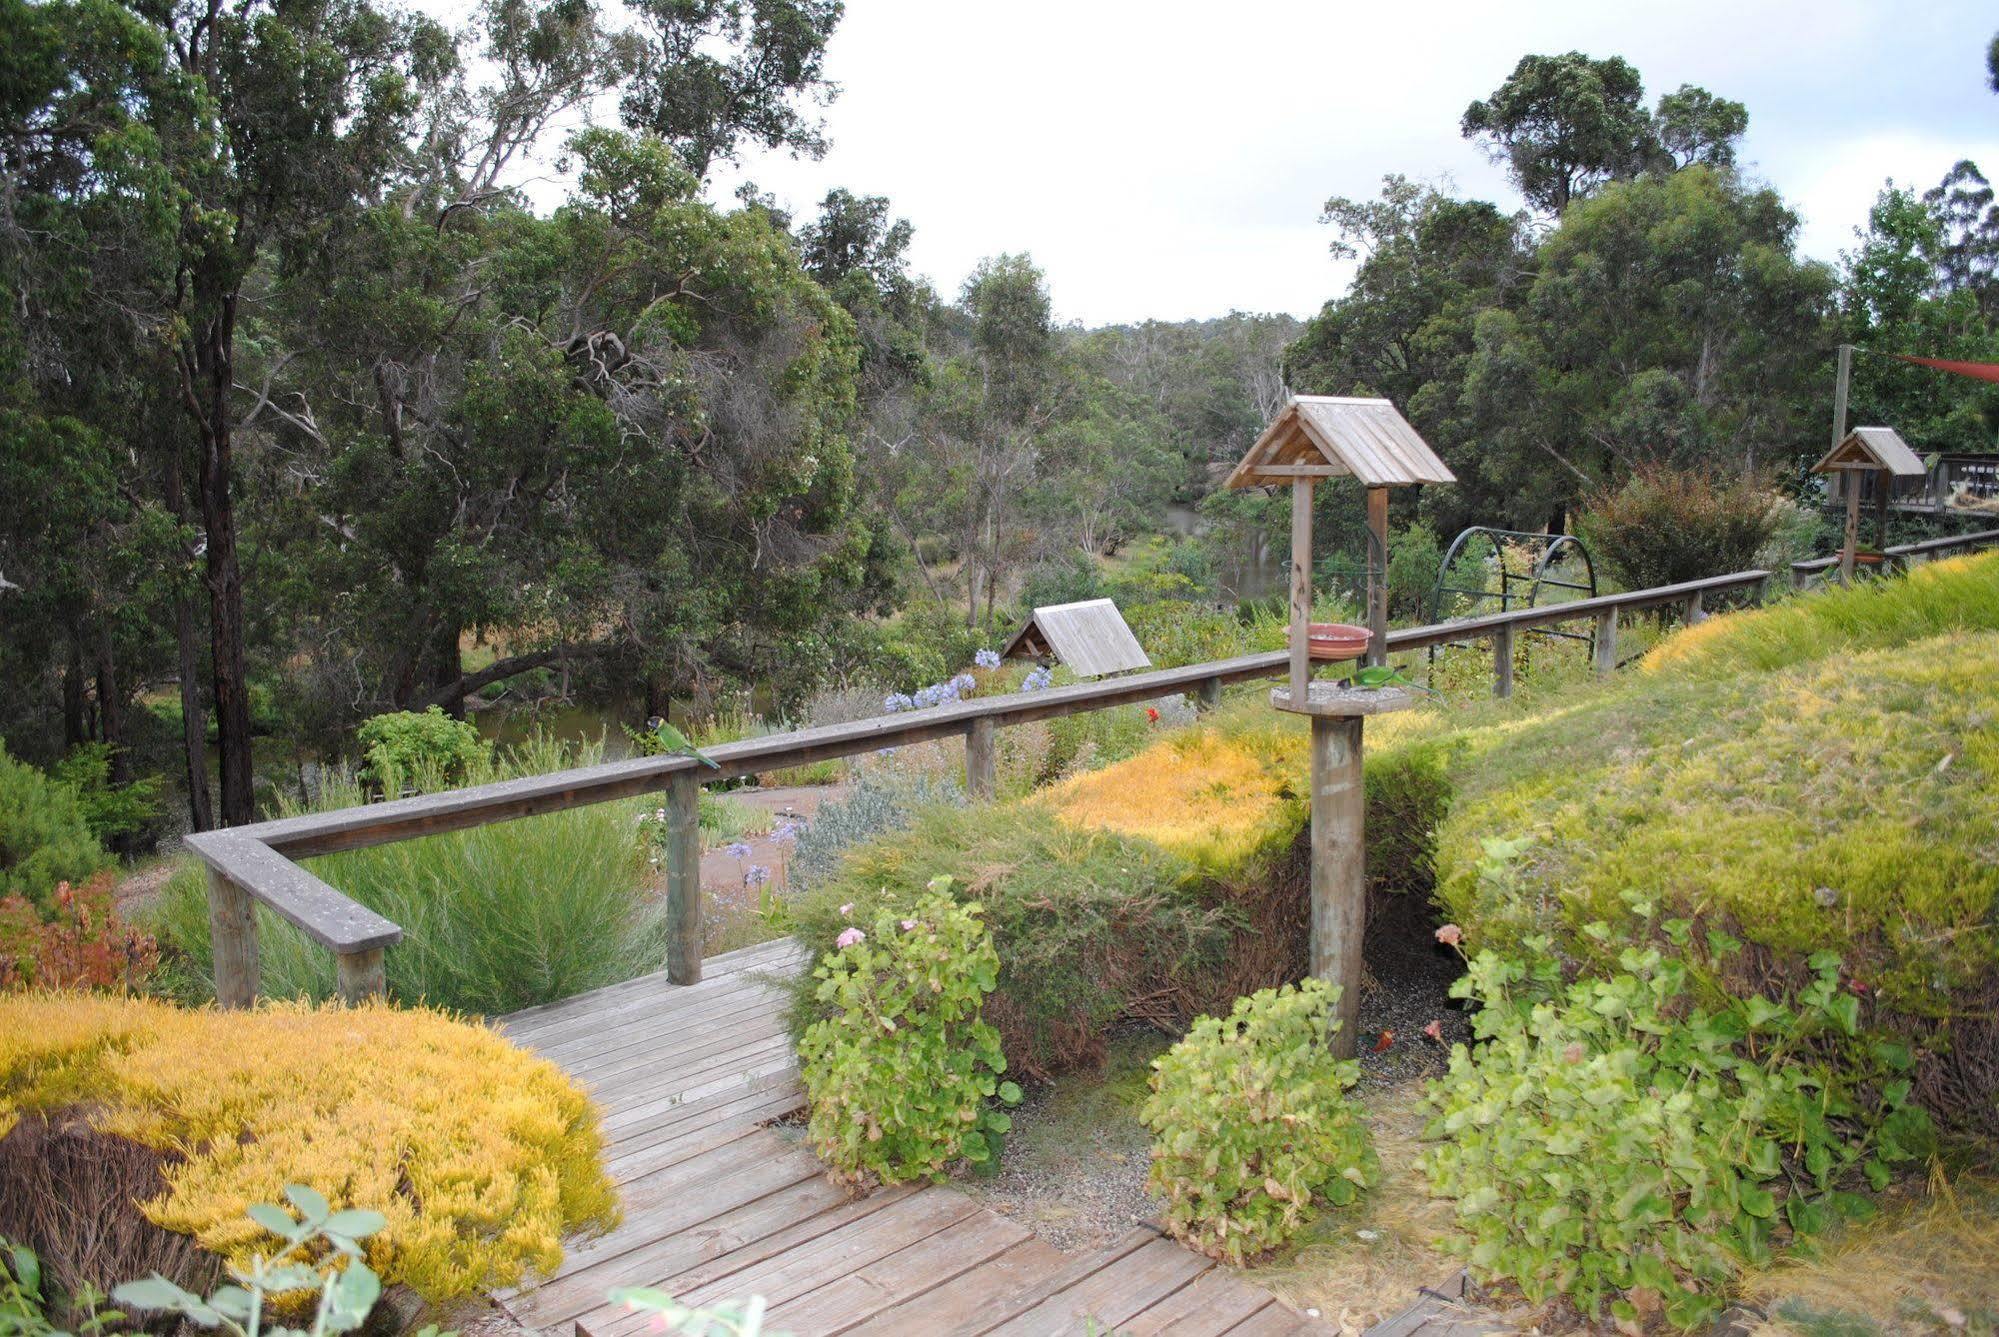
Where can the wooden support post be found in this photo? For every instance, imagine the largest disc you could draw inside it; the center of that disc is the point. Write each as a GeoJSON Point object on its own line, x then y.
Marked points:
{"type": "Point", "coordinates": [1852, 540]}
{"type": "Point", "coordinates": [683, 878]}
{"type": "Point", "coordinates": [1209, 695]}
{"type": "Point", "coordinates": [1606, 643]}
{"type": "Point", "coordinates": [360, 975]}
{"type": "Point", "coordinates": [232, 934]}
{"type": "Point", "coordinates": [981, 760]}
{"type": "Point", "coordinates": [1377, 574]}
{"type": "Point", "coordinates": [1759, 593]}
{"type": "Point", "coordinates": [1301, 586]}
{"type": "Point", "coordinates": [1339, 867]}
{"type": "Point", "coordinates": [1502, 660]}
{"type": "Point", "coordinates": [1694, 611]}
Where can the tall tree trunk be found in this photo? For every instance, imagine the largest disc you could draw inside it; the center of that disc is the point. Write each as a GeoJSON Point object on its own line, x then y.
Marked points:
{"type": "Point", "coordinates": [448, 669]}
{"type": "Point", "coordinates": [111, 706]}
{"type": "Point", "coordinates": [193, 715]}
{"type": "Point", "coordinates": [214, 357]}
{"type": "Point", "coordinates": [74, 734]}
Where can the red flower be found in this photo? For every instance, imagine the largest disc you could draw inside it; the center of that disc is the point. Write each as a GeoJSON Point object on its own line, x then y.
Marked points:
{"type": "Point", "coordinates": [1152, 714]}
{"type": "Point", "coordinates": [1385, 1039]}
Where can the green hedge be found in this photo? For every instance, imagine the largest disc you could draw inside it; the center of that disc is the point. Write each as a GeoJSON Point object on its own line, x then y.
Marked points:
{"type": "Point", "coordinates": [45, 835]}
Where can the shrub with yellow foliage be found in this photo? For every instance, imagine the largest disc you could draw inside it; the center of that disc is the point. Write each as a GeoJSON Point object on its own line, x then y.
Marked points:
{"type": "Point", "coordinates": [481, 1156]}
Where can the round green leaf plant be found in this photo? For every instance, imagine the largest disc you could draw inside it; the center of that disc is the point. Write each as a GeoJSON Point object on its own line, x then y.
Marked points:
{"type": "Point", "coordinates": [1611, 1142]}
{"type": "Point", "coordinates": [902, 1072]}
{"type": "Point", "coordinates": [1252, 1127]}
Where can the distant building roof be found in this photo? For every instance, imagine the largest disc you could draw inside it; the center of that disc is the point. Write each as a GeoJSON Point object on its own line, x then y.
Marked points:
{"type": "Point", "coordinates": [1328, 436]}
{"type": "Point", "coordinates": [1090, 637]}
{"type": "Point", "coordinates": [1873, 448]}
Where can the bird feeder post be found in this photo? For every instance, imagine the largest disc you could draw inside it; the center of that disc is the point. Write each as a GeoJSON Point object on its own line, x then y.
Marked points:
{"type": "Point", "coordinates": [1876, 450]}
{"type": "Point", "coordinates": [1317, 437]}
{"type": "Point", "coordinates": [1377, 574]}
{"type": "Point", "coordinates": [1301, 586]}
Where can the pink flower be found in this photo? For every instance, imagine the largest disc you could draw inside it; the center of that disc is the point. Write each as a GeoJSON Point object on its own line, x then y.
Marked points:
{"type": "Point", "coordinates": [1435, 1030]}
{"type": "Point", "coordinates": [908, 924]}
{"type": "Point", "coordinates": [846, 909]}
{"type": "Point", "coordinates": [849, 936]}
{"type": "Point", "coordinates": [1450, 935]}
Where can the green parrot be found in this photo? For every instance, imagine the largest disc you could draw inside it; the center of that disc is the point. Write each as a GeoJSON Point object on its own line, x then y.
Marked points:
{"type": "Point", "coordinates": [1382, 675]}
{"type": "Point", "coordinates": [675, 743]}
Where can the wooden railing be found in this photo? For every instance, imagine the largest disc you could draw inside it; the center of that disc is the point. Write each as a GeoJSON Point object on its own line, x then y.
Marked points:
{"type": "Point", "coordinates": [1903, 555]}
{"type": "Point", "coordinates": [248, 865]}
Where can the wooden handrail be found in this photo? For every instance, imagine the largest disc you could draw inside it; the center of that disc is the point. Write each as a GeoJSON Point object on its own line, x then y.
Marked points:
{"type": "Point", "coordinates": [255, 863]}
{"type": "Point", "coordinates": [1903, 551]}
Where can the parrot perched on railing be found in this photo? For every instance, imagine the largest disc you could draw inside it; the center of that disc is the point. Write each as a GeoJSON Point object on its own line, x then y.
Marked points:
{"type": "Point", "coordinates": [672, 742]}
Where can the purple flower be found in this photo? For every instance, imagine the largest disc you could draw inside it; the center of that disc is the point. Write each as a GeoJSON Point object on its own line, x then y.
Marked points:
{"type": "Point", "coordinates": [848, 937]}
{"type": "Point", "coordinates": [739, 849]}
{"type": "Point", "coordinates": [987, 659]}
{"type": "Point", "coordinates": [787, 831]}
{"type": "Point", "coordinates": [1040, 678]}
{"type": "Point", "coordinates": [755, 875]}
{"type": "Point", "coordinates": [896, 701]}
{"type": "Point", "coordinates": [964, 683]}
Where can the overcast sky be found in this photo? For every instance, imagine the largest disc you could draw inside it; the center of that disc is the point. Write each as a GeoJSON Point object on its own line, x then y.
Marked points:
{"type": "Point", "coordinates": [1170, 160]}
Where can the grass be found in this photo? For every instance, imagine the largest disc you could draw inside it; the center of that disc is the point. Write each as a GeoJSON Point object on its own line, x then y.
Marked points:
{"type": "Point", "coordinates": [494, 919]}
{"type": "Point", "coordinates": [1957, 594]}
{"type": "Point", "coordinates": [1924, 1267]}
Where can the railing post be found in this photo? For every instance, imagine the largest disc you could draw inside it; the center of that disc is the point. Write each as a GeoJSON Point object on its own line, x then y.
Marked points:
{"type": "Point", "coordinates": [360, 975]}
{"type": "Point", "coordinates": [232, 935]}
{"type": "Point", "coordinates": [1694, 611]}
{"type": "Point", "coordinates": [683, 878]}
{"type": "Point", "coordinates": [1502, 660]}
{"type": "Point", "coordinates": [1759, 593]}
{"type": "Point", "coordinates": [1606, 642]}
{"type": "Point", "coordinates": [1208, 695]}
{"type": "Point", "coordinates": [982, 760]}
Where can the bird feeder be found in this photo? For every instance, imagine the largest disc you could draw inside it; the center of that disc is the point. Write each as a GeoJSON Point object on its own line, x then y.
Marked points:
{"type": "Point", "coordinates": [1877, 450]}
{"type": "Point", "coordinates": [1315, 437]}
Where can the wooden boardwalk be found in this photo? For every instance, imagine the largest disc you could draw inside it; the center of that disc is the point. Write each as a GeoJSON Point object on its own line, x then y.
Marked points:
{"type": "Point", "coordinates": [719, 1207]}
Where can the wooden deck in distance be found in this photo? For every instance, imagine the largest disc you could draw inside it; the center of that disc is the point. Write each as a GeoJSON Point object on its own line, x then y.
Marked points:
{"type": "Point", "coordinates": [720, 1207]}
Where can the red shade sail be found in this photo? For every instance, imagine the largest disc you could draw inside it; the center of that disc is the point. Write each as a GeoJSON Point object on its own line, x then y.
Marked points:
{"type": "Point", "coordinates": [1978, 371]}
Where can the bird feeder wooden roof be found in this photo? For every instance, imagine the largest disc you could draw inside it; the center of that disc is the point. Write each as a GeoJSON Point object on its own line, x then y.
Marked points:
{"type": "Point", "coordinates": [1090, 637]}
{"type": "Point", "coordinates": [1873, 448]}
{"type": "Point", "coordinates": [1324, 436]}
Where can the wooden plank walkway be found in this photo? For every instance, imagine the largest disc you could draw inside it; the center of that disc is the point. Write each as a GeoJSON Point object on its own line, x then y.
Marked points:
{"type": "Point", "coordinates": [720, 1207]}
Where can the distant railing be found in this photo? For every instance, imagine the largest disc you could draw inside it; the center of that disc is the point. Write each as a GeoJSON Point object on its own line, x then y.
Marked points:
{"type": "Point", "coordinates": [248, 865]}
{"type": "Point", "coordinates": [1904, 555]}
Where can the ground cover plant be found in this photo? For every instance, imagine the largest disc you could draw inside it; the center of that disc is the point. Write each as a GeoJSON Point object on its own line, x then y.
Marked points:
{"type": "Point", "coordinates": [480, 1156]}
{"type": "Point", "coordinates": [494, 919]}
{"type": "Point", "coordinates": [903, 1074]}
{"type": "Point", "coordinates": [1252, 1127]}
{"type": "Point", "coordinates": [1613, 1144]}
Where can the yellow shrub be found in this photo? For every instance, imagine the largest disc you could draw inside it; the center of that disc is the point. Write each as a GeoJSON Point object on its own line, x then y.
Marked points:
{"type": "Point", "coordinates": [481, 1156]}
{"type": "Point", "coordinates": [1202, 794]}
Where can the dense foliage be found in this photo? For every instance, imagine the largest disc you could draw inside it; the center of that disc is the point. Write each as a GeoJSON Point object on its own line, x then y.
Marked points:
{"type": "Point", "coordinates": [422, 748]}
{"type": "Point", "coordinates": [481, 1157]}
{"type": "Point", "coordinates": [81, 943]}
{"type": "Point", "coordinates": [1617, 1144]}
{"type": "Point", "coordinates": [902, 1072]}
{"type": "Point", "coordinates": [45, 835]}
{"type": "Point", "coordinates": [1252, 1127]}
{"type": "Point", "coordinates": [1666, 525]}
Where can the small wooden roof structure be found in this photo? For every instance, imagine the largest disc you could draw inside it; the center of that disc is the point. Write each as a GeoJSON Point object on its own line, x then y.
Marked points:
{"type": "Point", "coordinates": [1328, 436]}
{"type": "Point", "coordinates": [1873, 448]}
{"type": "Point", "coordinates": [1090, 637]}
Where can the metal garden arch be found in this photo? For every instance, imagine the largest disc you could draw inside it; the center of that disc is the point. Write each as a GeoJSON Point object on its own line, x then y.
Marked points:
{"type": "Point", "coordinates": [1516, 590]}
